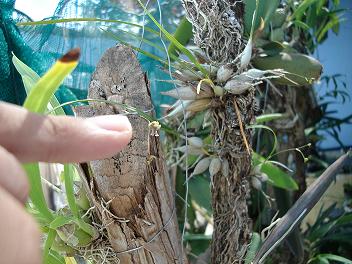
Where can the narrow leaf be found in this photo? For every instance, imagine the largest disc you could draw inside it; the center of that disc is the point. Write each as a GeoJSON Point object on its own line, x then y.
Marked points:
{"type": "Point", "coordinates": [300, 209]}
{"type": "Point", "coordinates": [36, 193]}
{"type": "Point", "coordinates": [172, 39]}
{"type": "Point", "coordinates": [45, 88]}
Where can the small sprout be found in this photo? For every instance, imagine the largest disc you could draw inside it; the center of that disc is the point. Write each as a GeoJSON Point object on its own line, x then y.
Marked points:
{"type": "Point", "coordinates": [225, 168]}
{"type": "Point", "coordinates": [82, 199]}
{"type": "Point", "coordinates": [155, 125]}
{"type": "Point", "coordinates": [195, 142]}
{"type": "Point", "coordinates": [224, 73]}
{"type": "Point", "coordinates": [256, 183]}
{"type": "Point", "coordinates": [201, 166]}
{"type": "Point", "coordinates": [218, 90]}
{"type": "Point", "coordinates": [205, 81]}
{"type": "Point", "coordinates": [246, 54]}
{"type": "Point", "coordinates": [154, 128]}
{"type": "Point", "coordinates": [215, 166]}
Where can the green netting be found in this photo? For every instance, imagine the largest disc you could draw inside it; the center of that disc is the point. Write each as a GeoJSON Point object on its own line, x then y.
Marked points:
{"type": "Point", "coordinates": [39, 46]}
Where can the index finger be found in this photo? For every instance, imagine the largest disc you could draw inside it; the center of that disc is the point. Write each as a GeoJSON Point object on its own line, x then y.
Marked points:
{"type": "Point", "coordinates": [32, 137]}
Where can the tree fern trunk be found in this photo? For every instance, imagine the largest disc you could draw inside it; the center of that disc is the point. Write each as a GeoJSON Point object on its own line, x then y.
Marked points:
{"type": "Point", "coordinates": [218, 30]}
{"type": "Point", "coordinates": [229, 192]}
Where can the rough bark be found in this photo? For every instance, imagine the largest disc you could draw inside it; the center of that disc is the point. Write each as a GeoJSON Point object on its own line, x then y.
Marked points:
{"type": "Point", "coordinates": [218, 30]}
{"type": "Point", "coordinates": [134, 185]}
{"type": "Point", "coordinates": [231, 221]}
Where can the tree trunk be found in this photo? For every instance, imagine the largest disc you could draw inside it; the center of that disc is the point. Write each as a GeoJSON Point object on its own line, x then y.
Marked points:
{"type": "Point", "coordinates": [229, 192]}
{"type": "Point", "coordinates": [131, 191]}
{"type": "Point", "coordinates": [218, 30]}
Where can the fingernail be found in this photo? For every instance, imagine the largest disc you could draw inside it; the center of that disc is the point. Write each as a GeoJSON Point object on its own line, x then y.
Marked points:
{"type": "Point", "coordinates": [116, 123]}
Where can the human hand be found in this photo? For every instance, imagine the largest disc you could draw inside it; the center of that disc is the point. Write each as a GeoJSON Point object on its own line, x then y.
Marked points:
{"type": "Point", "coordinates": [28, 137]}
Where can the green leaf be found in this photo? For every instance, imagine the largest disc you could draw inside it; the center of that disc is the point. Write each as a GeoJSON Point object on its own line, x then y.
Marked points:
{"type": "Point", "coordinates": [84, 19]}
{"type": "Point", "coordinates": [345, 219]}
{"type": "Point", "coordinates": [200, 190]}
{"type": "Point", "coordinates": [60, 221]}
{"type": "Point", "coordinates": [301, 69]}
{"type": "Point", "coordinates": [253, 248]}
{"type": "Point", "coordinates": [40, 95]}
{"type": "Point", "coordinates": [183, 34]}
{"type": "Point", "coordinates": [273, 48]}
{"type": "Point", "coordinates": [68, 176]}
{"type": "Point", "coordinates": [36, 192]}
{"type": "Point", "coordinates": [189, 237]}
{"type": "Point", "coordinates": [334, 24]}
{"type": "Point", "coordinates": [277, 177]}
{"type": "Point", "coordinates": [174, 41]}
{"type": "Point", "coordinates": [301, 24]}
{"type": "Point", "coordinates": [335, 258]}
{"type": "Point", "coordinates": [268, 117]}
{"type": "Point", "coordinates": [47, 246]}
{"type": "Point", "coordinates": [25, 71]}
{"type": "Point", "coordinates": [266, 10]}
{"type": "Point", "coordinates": [299, 12]}
{"type": "Point", "coordinates": [55, 258]}
{"type": "Point", "coordinates": [30, 78]}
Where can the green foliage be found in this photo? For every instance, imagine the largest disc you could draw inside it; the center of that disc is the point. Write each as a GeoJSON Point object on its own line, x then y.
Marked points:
{"type": "Point", "coordinates": [329, 238]}
{"type": "Point", "coordinates": [36, 193]}
{"type": "Point", "coordinates": [200, 190]}
{"type": "Point", "coordinates": [183, 34]}
{"type": "Point", "coordinates": [253, 248]}
{"type": "Point", "coordinates": [30, 78]}
{"type": "Point", "coordinates": [40, 98]}
{"type": "Point", "coordinates": [300, 208]}
{"type": "Point", "coordinates": [175, 42]}
{"type": "Point", "coordinates": [268, 117]}
{"type": "Point", "coordinates": [44, 89]}
{"type": "Point", "coordinates": [302, 69]}
{"type": "Point", "coordinates": [277, 177]}
{"type": "Point", "coordinates": [266, 10]}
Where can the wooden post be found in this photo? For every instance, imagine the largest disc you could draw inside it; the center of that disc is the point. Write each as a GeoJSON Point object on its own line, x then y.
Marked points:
{"type": "Point", "coordinates": [131, 191]}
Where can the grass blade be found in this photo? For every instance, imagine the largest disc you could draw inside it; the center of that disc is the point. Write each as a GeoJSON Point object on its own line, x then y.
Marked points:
{"type": "Point", "coordinates": [84, 19]}
{"type": "Point", "coordinates": [174, 41]}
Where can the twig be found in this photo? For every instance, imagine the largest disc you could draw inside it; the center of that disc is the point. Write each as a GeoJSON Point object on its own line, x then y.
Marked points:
{"type": "Point", "coordinates": [241, 127]}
